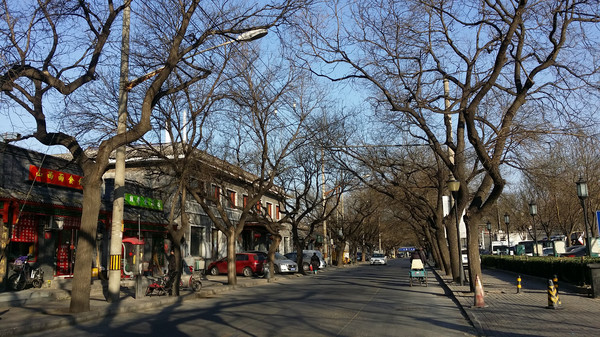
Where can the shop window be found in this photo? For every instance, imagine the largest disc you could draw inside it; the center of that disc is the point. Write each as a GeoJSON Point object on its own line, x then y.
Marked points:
{"type": "Point", "coordinates": [24, 237]}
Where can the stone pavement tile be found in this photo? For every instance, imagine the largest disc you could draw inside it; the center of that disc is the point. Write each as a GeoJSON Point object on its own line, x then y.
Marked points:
{"type": "Point", "coordinates": [507, 313]}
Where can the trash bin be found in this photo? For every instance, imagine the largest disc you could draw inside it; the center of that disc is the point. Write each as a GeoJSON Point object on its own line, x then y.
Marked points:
{"type": "Point", "coordinates": [595, 278]}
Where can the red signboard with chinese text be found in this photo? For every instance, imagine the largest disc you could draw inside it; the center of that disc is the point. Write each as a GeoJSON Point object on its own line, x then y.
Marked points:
{"type": "Point", "coordinates": [53, 177]}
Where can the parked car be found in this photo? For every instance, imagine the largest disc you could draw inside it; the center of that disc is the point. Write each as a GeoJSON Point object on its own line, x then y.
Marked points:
{"type": "Point", "coordinates": [548, 251]}
{"type": "Point", "coordinates": [246, 264]}
{"type": "Point", "coordinates": [306, 255]}
{"type": "Point", "coordinates": [378, 258]}
{"type": "Point", "coordinates": [281, 264]}
{"type": "Point", "coordinates": [575, 251]}
{"type": "Point", "coordinates": [359, 257]}
{"type": "Point", "coordinates": [284, 265]}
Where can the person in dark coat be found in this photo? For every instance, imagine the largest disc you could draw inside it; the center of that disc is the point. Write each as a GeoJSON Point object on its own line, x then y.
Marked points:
{"type": "Point", "coordinates": [172, 271]}
{"type": "Point", "coordinates": [315, 262]}
{"type": "Point", "coordinates": [418, 254]}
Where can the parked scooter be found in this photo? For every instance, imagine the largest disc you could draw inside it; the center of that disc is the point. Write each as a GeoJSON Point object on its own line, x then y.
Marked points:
{"type": "Point", "coordinates": [24, 275]}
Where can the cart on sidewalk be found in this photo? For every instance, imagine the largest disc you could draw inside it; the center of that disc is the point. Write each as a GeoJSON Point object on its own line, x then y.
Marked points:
{"type": "Point", "coordinates": [417, 272]}
{"type": "Point", "coordinates": [161, 286]}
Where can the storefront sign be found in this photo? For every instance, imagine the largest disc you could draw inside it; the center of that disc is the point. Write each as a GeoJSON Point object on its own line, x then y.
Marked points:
{"type": "Point", "coordinates": [53, 177]}
{"type": "Point", "coordinates": [144, 202]}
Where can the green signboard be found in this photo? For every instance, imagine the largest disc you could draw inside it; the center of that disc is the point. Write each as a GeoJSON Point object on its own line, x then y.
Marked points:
{"type": "Point", "coordinates": [143, 202]}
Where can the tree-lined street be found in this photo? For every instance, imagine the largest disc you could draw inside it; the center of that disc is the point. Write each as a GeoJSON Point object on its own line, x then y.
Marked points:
{"type": "Point", "coordinates": [345, 127]}
{"type": "Point", "coordinates": [360, 301]}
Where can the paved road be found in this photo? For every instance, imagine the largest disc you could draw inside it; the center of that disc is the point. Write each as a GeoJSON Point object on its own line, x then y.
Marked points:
{"type": "Point", "coordinates": [361, 301]}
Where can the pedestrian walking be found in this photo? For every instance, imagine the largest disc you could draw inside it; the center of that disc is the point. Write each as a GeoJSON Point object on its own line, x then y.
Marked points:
{"type": "Point", "coordinates": [172, 270]}
{"type": "Point", "coordinates": [315, 262]}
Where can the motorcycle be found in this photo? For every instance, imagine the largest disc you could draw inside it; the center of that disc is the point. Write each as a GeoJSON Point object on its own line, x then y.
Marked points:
{"type": "Point", "coordinates": [24, 275]}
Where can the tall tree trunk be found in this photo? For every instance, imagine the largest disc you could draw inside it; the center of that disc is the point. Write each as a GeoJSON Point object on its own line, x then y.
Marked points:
{"type": "Point", "coordinates": [339, 252]}
{"type": "Point", "coordinates": [231, 274]}
{"type": "Point", "coordinates": [435, 249]}
{"type": "Point", "coordinates": [82, 274]}
{"type": "Point", "coordinates": [443, 249]}
{"type": "Point", "coordinates": [272, 248]}
{"type": "Point", "coordinates": [453, 248]}
{"type": "Point", "coordinates": [473, 251]}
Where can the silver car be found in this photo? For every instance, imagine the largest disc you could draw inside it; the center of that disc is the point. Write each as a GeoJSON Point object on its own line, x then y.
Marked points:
{"type": "Point", "coordinates": [284, 265]}
{"type": "Point", "coordinates": [281, 264]}
{"type": "Point", "coordinates": [378, 258]}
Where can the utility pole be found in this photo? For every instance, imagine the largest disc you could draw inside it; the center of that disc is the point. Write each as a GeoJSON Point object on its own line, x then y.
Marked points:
{"type": "Point", "coordinates": [116, 238]}
{"type": "Point", "coordinates": [453, 194]}
{"type": "Point", "coordinates": [325, 243]}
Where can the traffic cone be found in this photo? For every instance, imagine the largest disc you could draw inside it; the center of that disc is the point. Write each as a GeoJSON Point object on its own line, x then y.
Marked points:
{"type": "Point", "coordinates": [479, 302]}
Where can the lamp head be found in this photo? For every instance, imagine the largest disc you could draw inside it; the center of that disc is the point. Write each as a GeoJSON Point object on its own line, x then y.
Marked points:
{"type": "Point", "coordinates": [582, 190]}
{"type": "Point", "coordinates": [453, 185]}
{"type": "Point", "coordinates": [532, 208]}
{"type": "Point", "coordinates": [252, 35]}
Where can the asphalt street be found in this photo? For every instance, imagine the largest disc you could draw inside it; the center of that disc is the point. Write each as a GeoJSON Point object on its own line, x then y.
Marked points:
{"type": "Point", "coordinates": [361, 301]}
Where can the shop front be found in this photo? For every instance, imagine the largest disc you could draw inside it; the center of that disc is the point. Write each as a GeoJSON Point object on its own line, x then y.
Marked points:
{"type": "Point", "coordinates": [144, 221]}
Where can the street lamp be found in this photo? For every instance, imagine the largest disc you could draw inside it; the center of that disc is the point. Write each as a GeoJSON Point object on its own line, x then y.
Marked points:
{"type": "Point", "coordinates": [454, 186]}
{"type": "Point", "coordinates": [582, 193]}
{"type": "Point", "coordinates": [533, 212]}
{"type": "Point", "coordinates": [507, 221]}
{"type": "Point", "coordinates": [489, 228]}
{"type": "Point", "coordinates": [250, 35]}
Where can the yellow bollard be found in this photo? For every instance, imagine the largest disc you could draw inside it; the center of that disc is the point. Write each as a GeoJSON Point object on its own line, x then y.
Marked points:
{"type": "Point", "coordinates": [518, 284]}
{"type": "Point", "coordinates": [555, 281]}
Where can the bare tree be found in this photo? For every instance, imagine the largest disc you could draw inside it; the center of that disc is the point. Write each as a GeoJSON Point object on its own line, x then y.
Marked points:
{"type": "Point", "coordinates": [267, 129]}
{"type": "Point", "coordinates": [307, 206]}
{"type": "Point", "coordinates": [497, 58]}
{"type": "Point", "coordinates": [551, 169]}
{"type": "Point", "coordinates": [53, 49]}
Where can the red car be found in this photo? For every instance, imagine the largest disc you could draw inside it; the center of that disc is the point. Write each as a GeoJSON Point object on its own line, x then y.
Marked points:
{"type": "Point", "coordinates": [246, 264]}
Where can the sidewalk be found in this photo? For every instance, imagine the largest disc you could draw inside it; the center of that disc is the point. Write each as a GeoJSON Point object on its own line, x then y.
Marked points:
{"type": "Point", "coordinates": [507, 313]}
{"type": "Point", "coordinates": [33, 310]}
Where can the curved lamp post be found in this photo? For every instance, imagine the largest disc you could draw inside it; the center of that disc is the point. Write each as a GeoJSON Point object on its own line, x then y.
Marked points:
{"type": "Point", "coordinates": [582, 193]}
{"type": "Point", "coordinates": [454, 186]}
{"type": "Point", "coordinates": [533, 213]}
{"type": "Point", "coordinates": [507, 221]}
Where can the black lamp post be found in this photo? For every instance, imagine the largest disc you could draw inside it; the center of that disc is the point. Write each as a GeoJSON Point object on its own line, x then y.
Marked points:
{"type": "Point", "coordinates": [507, 221]}
{"type": "Point", "coordinates": [489, 228]}
{"type": "Point", "coordinates": [454, 186]}
{"type": "Point", "coordinates": [533, 212]}
{"type": "Point", "coordinates": [582, 193]}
